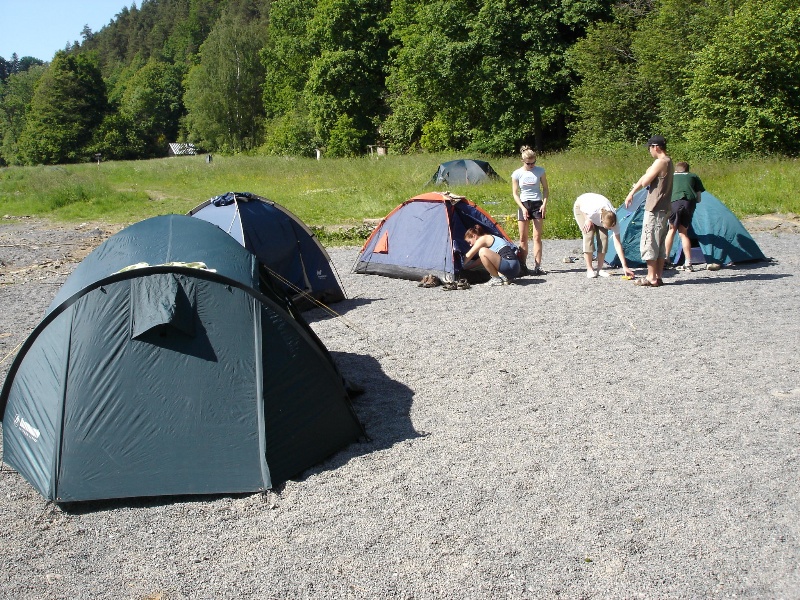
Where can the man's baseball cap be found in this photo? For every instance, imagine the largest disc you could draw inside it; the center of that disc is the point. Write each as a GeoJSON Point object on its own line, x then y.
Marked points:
{"type": "Point", "coordinates": [657, 140]}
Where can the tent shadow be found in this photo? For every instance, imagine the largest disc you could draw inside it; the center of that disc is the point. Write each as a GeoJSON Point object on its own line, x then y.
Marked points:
{"type": "Point", "coordinates": [94, 506]}
{"type": "Point", "coordinates": [528, 280]}
{"type": "Point", "coordinates": [340, 308]}
{"type": "Point", "coordinates": [384, 410]}
{"type": "Point", "coordinates": [731, 279]}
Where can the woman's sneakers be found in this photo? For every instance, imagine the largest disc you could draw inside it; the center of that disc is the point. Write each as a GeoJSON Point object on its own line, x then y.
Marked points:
{"type": "Point", "coordinates": [499, 280]}
{"type": "Point", "coordinates": [599, 273]}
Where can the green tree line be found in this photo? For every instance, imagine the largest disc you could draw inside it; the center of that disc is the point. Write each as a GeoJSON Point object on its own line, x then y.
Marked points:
{"type": "Point", "coordinates": [283, 77]}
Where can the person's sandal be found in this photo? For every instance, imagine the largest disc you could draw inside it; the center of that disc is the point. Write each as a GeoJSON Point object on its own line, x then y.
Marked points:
{"type": "Point", "coordinates": [462, 284]}
{"type": "Point", "coordinates": [645, 282]}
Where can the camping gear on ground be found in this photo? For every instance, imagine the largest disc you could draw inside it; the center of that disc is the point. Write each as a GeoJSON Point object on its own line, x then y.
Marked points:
{"type": "Point", "coordinates": [717, 235]}
{"type": "Point", "coordinates": [430, 280]}
{"type": "Point", "coordinates": [167, 365]}
{"type": "Point", "coordinates": [281, 241]}
{"type": "Point", "coordinates": [464, 171]}
{"type": "Point", "coordinates": [423, 235]}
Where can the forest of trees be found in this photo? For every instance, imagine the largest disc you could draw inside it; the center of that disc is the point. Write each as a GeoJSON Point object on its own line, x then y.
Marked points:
{"type": "Point", "coordinates": [287, 76]}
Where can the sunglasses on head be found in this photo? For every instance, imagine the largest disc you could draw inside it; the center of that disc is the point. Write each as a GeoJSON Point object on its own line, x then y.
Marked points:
{"type": "Point", "coordinates": [530, 163]}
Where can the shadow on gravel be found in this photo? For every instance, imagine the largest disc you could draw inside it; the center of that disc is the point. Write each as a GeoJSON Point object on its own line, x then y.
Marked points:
{"type": "Point", "coordinates": [340, 308]}
{"type": "Point", "coordinates": [383, 408]}
{"type": "Point", "coordinates": [729, 279]}
{"type": "Point", "coordinates": [528, 280]}
{"type": "Point", "coordinates": [93, 506]}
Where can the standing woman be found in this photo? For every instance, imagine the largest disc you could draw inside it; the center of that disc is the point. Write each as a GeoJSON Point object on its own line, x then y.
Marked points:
{"type": "Point", "coordinates": [529, 185]}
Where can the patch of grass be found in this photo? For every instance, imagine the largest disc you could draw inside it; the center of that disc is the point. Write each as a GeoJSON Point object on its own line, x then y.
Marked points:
{"type": "Point", "coordinates": [342, 236]}
{"type": "Point", "coordinates": [344, 192]}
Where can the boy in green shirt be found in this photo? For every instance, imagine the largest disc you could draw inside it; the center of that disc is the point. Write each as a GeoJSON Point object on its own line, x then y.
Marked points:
{"type": "Point", "coordinates": [686, 191]}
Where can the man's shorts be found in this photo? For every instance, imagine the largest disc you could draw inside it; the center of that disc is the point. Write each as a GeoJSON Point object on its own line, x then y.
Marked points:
{"type": "Point", "coordinates": [682, 213]}
{"type": "Point", "coordinates": [534, 210]}
{"type": "Point", "coordinates": [654, 234]}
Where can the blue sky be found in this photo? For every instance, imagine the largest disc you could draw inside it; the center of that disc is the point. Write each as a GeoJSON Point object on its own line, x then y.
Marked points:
{"type": "Point", "coordinates": [40, 28]}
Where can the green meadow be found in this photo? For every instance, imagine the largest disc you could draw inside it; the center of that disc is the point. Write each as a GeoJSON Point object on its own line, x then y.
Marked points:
{"type": "Point", "coordinates": [338, 194]}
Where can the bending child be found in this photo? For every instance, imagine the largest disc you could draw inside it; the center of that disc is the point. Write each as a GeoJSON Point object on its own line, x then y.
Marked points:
{"type": "Point", "coordinates": [596, 217]}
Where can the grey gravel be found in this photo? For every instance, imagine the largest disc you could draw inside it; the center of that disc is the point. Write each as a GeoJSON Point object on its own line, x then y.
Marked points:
{"type": "Point", "coordinates": [560, 437]}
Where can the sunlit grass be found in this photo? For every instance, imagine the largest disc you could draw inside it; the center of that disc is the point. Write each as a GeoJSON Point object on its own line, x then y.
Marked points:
{"type": "Point", "coordinates": [347, 191]}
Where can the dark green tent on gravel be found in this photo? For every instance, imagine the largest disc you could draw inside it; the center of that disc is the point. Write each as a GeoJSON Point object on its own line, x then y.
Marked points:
{"type": "Point", "coordinates": [168, 365]}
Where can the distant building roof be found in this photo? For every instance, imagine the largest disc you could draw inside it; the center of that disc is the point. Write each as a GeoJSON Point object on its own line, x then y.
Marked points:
{"type": "Point", "coordinates": [176, 149]}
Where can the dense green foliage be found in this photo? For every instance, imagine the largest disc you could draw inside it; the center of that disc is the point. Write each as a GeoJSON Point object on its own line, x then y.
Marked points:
{"type": "Point", "coordinates": [223, 91]}
{"type": "Point", "coordinates": [17, 65]}
{"type": "Point", "coordinates": [286, 77]}
{"type": "Point", "coordinates": [338, 194]}
{"type": "Point", "coordinates": [69, 102]}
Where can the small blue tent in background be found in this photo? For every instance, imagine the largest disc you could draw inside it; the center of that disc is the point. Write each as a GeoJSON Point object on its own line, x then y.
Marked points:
{"type": "Point", "coordinates": [464, 172]}
{"type": "Point", "coordinates": [424, 235]}
{"type": "Point", "coordinates": [280, 240]}
{"type": "Point", "coordinates": [715, 231]}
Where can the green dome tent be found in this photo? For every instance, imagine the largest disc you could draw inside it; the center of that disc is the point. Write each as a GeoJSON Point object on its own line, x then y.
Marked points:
{"type": "Point", "coordinates": [186, 374]}
{"type": "Point", "coordinates": [464, 172]}
{"type": "Point", "coordinates": [719, 236]}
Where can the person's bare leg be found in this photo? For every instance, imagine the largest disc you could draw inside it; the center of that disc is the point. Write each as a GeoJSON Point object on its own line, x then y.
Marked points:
{"type": "Point", "coordinates": [587, 256]}
{"type": "Point", "coordinates": [523, 241]}
{"type": "Point", "coordinates": [670, 238]}
{"type": "Point", "coordinates": [537, 242]}
{"type": "Point", "coordinates": [490, 260]}
{"type": "Point", "coordinates": [686, 244]}
{"type": "Point", "coordinates": [601, 263]}
{"type": "Point", "coordinates": [652, 271]}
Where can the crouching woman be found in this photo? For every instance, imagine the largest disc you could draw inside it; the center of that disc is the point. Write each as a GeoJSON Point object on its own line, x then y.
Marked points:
{"type": "Point", "coordinates": [498, 256]}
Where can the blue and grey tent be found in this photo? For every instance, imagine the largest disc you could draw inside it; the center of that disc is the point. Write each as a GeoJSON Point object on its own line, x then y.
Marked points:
{"type": "Point", "coordinates": [166, 365]}
{"type": "Point", "coordinates": [464, 172]}
{"type": "Point", "coordinates": [715, 231]}
{"type": "Point", "coordinates": [425, 235]}
{"type": "Point", "coordinates": [281, 241]}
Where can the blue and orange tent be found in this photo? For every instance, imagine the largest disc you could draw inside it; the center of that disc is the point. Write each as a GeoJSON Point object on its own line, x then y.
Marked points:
{"type": "Point", "coordinates": [425, 235]}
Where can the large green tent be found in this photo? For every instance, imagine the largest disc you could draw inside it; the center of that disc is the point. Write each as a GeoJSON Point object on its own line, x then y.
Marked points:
{"type": "Point", "coordinates": [715, 232]}
{"type": "Point", "coordinates": [188, 374]}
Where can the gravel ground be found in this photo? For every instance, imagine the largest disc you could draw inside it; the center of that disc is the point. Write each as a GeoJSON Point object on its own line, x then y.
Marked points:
{"type": "Point", "coordinates": [560, 437]}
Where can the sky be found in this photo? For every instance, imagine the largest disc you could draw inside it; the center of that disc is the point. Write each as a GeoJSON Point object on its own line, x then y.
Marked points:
{"type": "Point", "coordinates": [40, 28]}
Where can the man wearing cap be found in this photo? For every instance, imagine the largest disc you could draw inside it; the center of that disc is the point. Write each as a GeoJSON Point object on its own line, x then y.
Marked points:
{"type": "Point", "coordinates": [658, 181]}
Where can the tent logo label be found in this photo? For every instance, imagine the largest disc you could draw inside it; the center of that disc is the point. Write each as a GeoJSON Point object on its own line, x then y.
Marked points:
{"type": "Point", "coordinates": [28, 430]}
{"type": "Point", "coordinates": [321, 275]}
